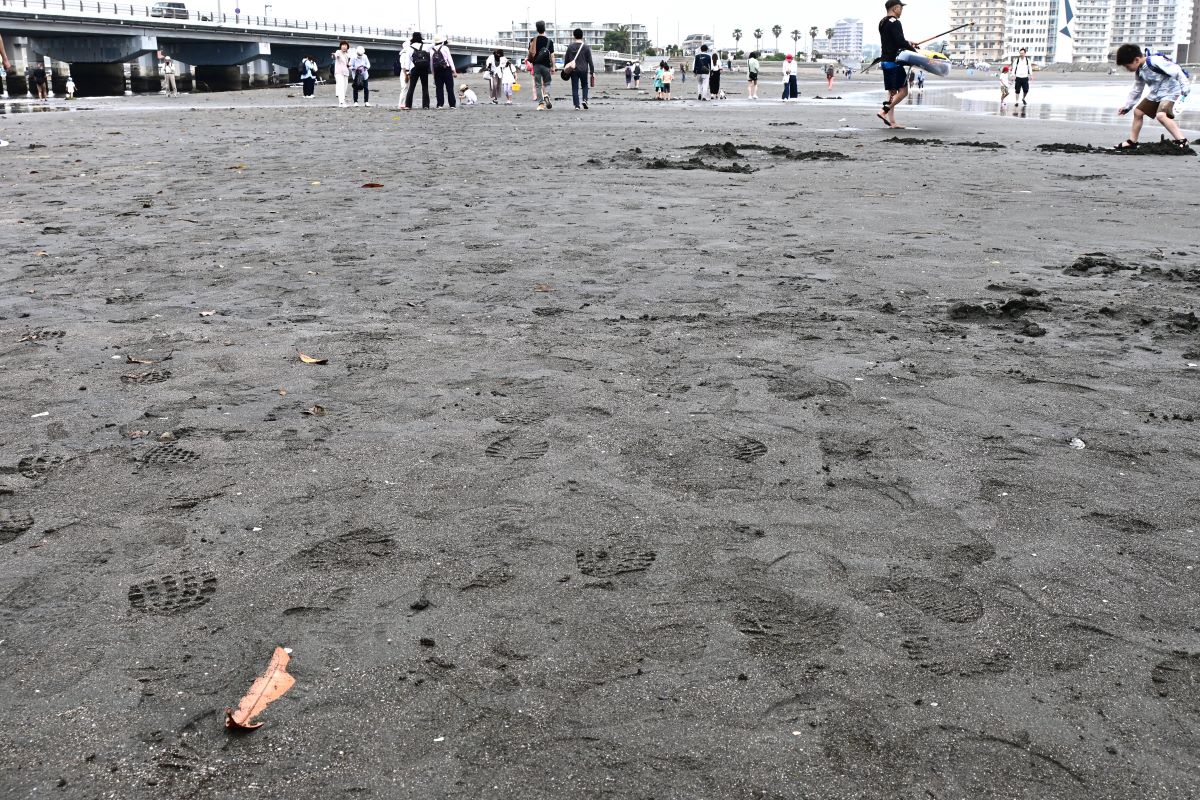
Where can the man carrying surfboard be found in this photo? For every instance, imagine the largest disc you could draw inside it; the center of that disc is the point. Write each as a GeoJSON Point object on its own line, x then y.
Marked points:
{"type": "Point", "coordinates": [891, 44]}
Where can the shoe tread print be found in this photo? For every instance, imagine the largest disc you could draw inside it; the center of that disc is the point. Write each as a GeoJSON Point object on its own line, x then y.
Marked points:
{"type": "Point", "coordinates": [173, 594]}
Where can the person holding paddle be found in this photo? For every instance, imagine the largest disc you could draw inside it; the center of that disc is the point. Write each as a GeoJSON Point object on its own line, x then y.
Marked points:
{"type": "Point", "coordinates": [891, 44]}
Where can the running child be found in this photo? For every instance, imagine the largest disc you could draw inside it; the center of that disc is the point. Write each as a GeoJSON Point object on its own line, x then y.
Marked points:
{"type": "Point", "coordinates": [1005, 87]}
{"type": "Point", "coordinates": [668, 76]}
{"type": "Point", "coordinates": [1168, 84]}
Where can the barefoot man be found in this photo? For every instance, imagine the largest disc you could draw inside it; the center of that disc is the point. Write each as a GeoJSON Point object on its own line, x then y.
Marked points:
{"type": "Point", "coordinates": [891, 43]}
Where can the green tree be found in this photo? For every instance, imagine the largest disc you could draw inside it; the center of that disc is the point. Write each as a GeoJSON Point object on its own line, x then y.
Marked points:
{"type": "Point", "coordinates": [617, 39]}
{"type": "Point", "coordinates": [737, 37]}
{"type": "Point", "coordinates": [777, 30]}
{"type": "Point", "coordinates": [758, 34]}
{"type": "Point", "coordinates": [796, 35]}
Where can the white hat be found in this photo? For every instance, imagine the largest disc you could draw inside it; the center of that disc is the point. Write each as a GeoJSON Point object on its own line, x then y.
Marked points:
{"type": "Point", "coordinates": [439, 39]}
{"type": "Point", "coordinates": [362, 51]}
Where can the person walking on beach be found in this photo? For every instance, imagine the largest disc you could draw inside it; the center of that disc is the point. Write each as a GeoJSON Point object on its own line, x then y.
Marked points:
{"type": "Point", "coordinates": [168, 71]}
{"type": "Point", "coordinates": [39, 81]}
{"type": "Point", "coordinates": [360, 74]}
{"type": "Point", "coordinates": [495, 66]}
{"type": "Point", "coordinates": [1004, 86]}
{"type": "Point", "coordinates": [1168, 85]}
{"type": "Point", "coordinates": [668, 76]}
{"type": "Point", "coordinates": [637, 76]}
{"type": "Point", "coordinates": [629, 76]}
{"type": "Point", "coordinates": [829, 76]}
{"type": "Point", "coordinates": [541, 56]}
{"type": "Point", "coordinates": [752, 67]}
{"type": "Point", "coordinates": [1022, 70]}
{"type": "Point", "coordinates": [658, 73]}
{"type": "Point", "coordinates": [341, 71]}
{"type": "Point", "coordinates": [714, 79]}
{"type": "Point", "coordinates": [308, 76]}
{"type": "Point", "coordinates": [791, 89]}
{"type": "Point", "coordinates": [891, 43]}
{"type": "Point", "coordinates": [700, 68]}
{"type": "Point", "coordinates": [444, 71]}
{"type": "Point", "coordinates": [683, 73]}
{"type": "Point", "coordinates": [416, 58]}
{"type": "Point", "coordinates": [577, 61]}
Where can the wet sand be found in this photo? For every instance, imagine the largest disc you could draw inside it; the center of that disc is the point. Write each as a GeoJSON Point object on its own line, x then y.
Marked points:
{"type": "Point", "coordinates": [863, 474]}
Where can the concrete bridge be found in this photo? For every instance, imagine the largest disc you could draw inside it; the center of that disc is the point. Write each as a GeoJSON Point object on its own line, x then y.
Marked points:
{"type": "Point", "coordinates": [113, 48]}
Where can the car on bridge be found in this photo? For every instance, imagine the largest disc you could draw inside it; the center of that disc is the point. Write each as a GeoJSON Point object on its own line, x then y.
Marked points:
{"type": "Point", "coordinates": [169, 10]}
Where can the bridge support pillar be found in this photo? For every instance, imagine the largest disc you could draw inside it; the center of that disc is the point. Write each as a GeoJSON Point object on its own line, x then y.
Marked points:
{"type": "Point", "coordinates": [210, 78]}
{"type": "Point", "coordinates": [94, 49]}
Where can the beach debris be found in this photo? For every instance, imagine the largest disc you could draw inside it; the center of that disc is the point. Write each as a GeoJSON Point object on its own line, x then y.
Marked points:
{"type": "Point", "coordinates": [266, 689]}
{"type": "Point", "coordinates": [1078, 443]}
{"type": "Point", "coordinates": [238, 166]}
{"type": "Point", "coordinates": [315, 411]}
{"type": "Point", "coordinates": [314, 183]}
{"type": "Point", "coordinates": [307, 359]}
{"type": "Point", "coordinates": [372, 186]}
{"type": "Point", "coordinates": [543, 287]}
{"type": "Point", "coordinates": [42, 414]}
{"type": "Point", "coordinates": [136, 360]}
{"type": "Point", "coordinates": [208, 313]}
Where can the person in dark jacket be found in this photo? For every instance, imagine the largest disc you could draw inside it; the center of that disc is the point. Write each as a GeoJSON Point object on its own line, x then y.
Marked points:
{"type": "Point", "coordinates": [417, 60]}
{"type": "Point", "coordinates": [580, 54]}
{"type": "Point", "coordinates": [701, 68]}
{"type": "Point", "coordinates": [892, 43]}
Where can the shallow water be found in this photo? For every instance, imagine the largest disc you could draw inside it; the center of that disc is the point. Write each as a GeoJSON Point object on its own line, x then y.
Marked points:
{"type": "Point", "coordinates": [1066, 102]}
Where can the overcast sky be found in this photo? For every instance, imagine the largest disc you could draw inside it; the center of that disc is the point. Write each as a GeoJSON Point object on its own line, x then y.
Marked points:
{"type": "Point", "coordinates": [922, 18]}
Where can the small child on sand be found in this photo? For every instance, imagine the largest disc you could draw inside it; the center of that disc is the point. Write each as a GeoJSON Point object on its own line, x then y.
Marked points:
{"type": "Point", "coordinates": [467, 96]}
{"type": "Point", "coordinates": [1168, 85]}
{"type": "Point", "coordinates": [1005, 86]}
{"type": "Point", "coordinates": [70, 88]}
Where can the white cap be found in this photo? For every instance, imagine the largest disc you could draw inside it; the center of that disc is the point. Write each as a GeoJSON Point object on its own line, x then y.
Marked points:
{"type": "Point", "coordinates": [362, 51]}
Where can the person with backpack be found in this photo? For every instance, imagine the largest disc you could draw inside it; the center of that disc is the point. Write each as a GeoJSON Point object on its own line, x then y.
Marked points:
{"type": "Point", "coordinates": [714, 80]}
{"type": "Point", "coordinates": [578, 64]}
{"type": "Point", "coordinates": [308, 76]}
{"type": "Point", "coordinates": [700, 68]}
{"type": "Point", "coordinates": [1022, 68]}
{"type": "Point", "coordinates": [829, 76]}
{"type": "Point", "coordinates": [417, 60]}
{"type": "Point", "coordinates": [444, 72]}
{"type": "Point", "coordinates": [360, 74]}
{"type": "Point", "coordinates": [637, 76]}
{"type": "Point", "coordinates": [541, 57]}
{"type": "Point", "coordinates": [341, 70]}
{"type": "Point", "coordinates": [629, 76]}
{"type": "Point", "coordinates": [1168, 84]}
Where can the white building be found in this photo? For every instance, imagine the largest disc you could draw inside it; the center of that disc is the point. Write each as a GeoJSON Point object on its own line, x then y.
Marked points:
{"type": "Point", "coordinates": [1091, 30]}
{"type": "Point", "coordinates": [847, 41]}
{"type": "Point", "coordinates": [1148, 23]}
{"type": "Point", "coordinates": [593, 34]}
{"type": "Point", "coordinates": [1032, 24]}
{"type": "Point", "coordinates": [984, 41]}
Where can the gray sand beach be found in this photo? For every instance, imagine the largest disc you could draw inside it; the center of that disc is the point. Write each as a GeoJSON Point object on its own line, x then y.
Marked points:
{"type": "Point", "coordinates": [821, 464]}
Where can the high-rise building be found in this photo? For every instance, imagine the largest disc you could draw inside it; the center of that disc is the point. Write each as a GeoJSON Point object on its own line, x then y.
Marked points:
{"type": "Point", "coordinates": [593, 34]}
{"type": "Point", "coordinates": [1032, 24]}
{"type": "Point", "coordinates": [983, 41]}
{"type": "Point", "coordinates": [1091, 30]}
{"type": "Point", "coordinates": [1193, 53]}
{"type": "Point", "coordinates": [1148, 23]}
{"type": "Point", "coordinates": [847, 41]}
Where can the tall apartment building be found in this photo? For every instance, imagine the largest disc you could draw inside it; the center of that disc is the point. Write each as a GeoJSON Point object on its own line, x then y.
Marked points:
{"type": "Point", "coordinates": [985, 40]}
{"type": "Point", "coordinates": [847, 41]}
{"type": "Point", "coordinates": [1032, 24]}
{"type": "Point", "coordinates": [593, 34]}
{"type": "Point", "coordinates": [1092, 30]}
{"type": "Point", "coordinates": [1155, 24]}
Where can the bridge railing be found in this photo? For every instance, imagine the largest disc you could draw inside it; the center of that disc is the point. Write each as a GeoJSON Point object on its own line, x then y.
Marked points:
{"type": "Point", "coordinates": [212, 18]}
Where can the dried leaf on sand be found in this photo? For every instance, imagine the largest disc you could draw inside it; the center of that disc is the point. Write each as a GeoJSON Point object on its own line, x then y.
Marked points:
{"type": "Point", "coordinates": [315, 411]}
{"type": "Point", "coordinates": [313, 360]}
{"type": "Point", "coordinates": [266, 689]}
{"type": "Point", "coordinates": [372, 186]}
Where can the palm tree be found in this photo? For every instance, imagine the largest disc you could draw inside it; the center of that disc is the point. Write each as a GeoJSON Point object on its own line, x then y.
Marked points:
{"type": "Point", "coordinates": [812, 34]}
{"type": "Point", "coordinates": [777, 30]}
{"type": "Point", "coordinates": [737, 37]}
{"type": "Point", "coordinates": [758, 34]}
{"type": "Point", "coordinates": [796, 34]}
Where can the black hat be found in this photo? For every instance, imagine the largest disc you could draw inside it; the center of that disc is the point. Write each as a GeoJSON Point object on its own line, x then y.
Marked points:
{"type": "Point", "coordinates": [890, 4]}
{"type": "Point", "coordinates": [417, 38]}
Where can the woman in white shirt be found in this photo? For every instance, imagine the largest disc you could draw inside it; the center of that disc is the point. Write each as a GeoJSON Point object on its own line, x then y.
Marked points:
{"type": "Point", "coordinates": [341, 71]}
{"type": "Point", "coordinates": [498, 67]}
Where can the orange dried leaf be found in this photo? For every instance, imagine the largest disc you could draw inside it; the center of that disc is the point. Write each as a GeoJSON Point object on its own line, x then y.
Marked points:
{"type": "Point", "coordinates": [312, 360]}
{"type": "Point", "coordinates": [372, 186]}
{"type": "Point", "coordinates": [266, 689]}
{"type": "Point", "coordinates": [543, 287]}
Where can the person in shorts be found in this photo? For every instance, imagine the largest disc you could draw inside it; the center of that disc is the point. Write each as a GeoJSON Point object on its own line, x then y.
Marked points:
{"type": "Point", "coordinates": [752, 67]}
{"type": "Point", "coordinates": [892, 43]}
{"type": "Point", "coordinates": [541, 56]}
{"type": "Point", "coordinates": [1022, 68]}
{"type": "Point", "coordinates": [1168, 84]}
